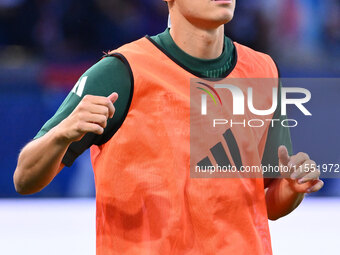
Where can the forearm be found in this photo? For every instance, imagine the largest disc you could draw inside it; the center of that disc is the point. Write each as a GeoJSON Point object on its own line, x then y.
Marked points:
{"type": "Point", "coordinates": [39, 162]}
{"type": "Point", "coordinates": [281, 199]}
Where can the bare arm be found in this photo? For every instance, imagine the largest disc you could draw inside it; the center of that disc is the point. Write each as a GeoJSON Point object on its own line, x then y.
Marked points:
{"type": "Point", "coordinates": [40, 160]}
{"type": "Point", "coordinates": [281, 199]}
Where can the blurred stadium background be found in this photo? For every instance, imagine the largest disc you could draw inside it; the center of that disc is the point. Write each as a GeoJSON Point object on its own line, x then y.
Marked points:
{"type": "Point", "coordinates": [45, 45]}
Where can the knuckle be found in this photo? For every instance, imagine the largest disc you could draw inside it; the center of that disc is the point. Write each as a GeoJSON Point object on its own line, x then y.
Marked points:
{"type": "Point", "coordinates": [106, 111]}
{"type": "Point", "coordinates": [80, 116]}
{"type": "Point", "coordinates": [103, 120]}
{"type": "Point", "coordinates": [107, 101]}
{"type": "Point", "coordinates": [311, 162]}
{"type": "Point", "coordinates": [303, 155]}
{"type": "Point", "coordinates": [292, 158]}
{"type": "Point", "coordinates": [83, 106]}
{"type": "Point", "coordinates": [86, 98]}
{"type": "Point", "coordinates": [80, 106]}
{"type": "Point", "coordinates": [80, 127]}
{"type": "Point", "coordinates": [100, 130]}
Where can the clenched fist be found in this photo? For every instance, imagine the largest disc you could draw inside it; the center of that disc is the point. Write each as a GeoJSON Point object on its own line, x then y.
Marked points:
{"type": "Point", "coordinates": [90, 115]}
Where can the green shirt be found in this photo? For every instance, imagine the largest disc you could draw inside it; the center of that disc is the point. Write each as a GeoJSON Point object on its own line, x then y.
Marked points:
{"type": "Point", "coordinates": [111, 74]}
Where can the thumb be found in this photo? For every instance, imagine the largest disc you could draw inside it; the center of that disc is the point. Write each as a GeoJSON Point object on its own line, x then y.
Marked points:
{"type": "Point", "coordinates": [283, 155]}
{"type": "Point", "coordinates": [113, 97]}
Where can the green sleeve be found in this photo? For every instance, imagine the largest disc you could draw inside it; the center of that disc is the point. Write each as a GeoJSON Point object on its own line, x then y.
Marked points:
{"type": "Point", "coordinates": [277, 135]}
{"type": "Point", "coordinates": [111, 74]}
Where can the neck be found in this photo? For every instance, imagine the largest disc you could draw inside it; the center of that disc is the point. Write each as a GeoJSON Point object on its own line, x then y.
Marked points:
{"type": "Point", "coordinates": [208, 43]}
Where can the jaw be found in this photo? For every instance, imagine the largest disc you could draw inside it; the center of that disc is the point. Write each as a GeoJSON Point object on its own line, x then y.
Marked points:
{"type": "Point", "coordinates": [204, 14]}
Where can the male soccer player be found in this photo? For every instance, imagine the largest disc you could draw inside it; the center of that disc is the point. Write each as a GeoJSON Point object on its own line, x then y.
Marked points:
{"type": "Point", "coordinates": [146, 201]}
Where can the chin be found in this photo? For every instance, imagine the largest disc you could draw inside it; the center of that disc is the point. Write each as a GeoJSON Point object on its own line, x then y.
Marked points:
{"type": "Point", "coordinates": [226, 16]}
{"type": "Point", "coordinates": [214, 19]}
{"type": "Point", "coordinates": [218, 21]}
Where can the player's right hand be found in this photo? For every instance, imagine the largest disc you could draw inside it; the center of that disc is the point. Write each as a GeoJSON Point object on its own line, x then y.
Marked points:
{"type": "Point", "coordinates": [90, 116]}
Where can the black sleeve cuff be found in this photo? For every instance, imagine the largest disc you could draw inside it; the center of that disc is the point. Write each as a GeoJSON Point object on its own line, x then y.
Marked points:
{"type": "Point", "coordinates": [77, 148]}
{"type": "Point", "coordinates": [69, 157]}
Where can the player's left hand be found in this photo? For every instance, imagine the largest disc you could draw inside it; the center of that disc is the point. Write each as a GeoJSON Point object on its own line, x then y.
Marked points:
{"type": "Point", "coordinates": [301, 172]}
